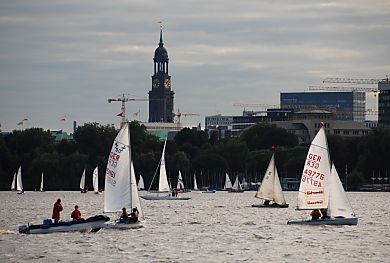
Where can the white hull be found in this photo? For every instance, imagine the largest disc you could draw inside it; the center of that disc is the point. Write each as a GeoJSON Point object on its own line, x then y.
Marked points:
{"type": "Point", "coordinates": [330, 221]}
{"type": "Point", "coordinates": [156, 197]}
{"type": "Point", "coordinates": [68, 226]}
{"type": "Point", "coordinates": [119, 225]}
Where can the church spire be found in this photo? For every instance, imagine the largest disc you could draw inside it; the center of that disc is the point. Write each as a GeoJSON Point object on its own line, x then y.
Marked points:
{"type": "Point", "coordinates": [161, 38]}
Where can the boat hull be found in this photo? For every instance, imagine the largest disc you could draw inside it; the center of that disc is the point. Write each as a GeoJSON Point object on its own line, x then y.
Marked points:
{"type": "Point", "coordinates": [270, 206]}
{"type": "Point", "coordinates": [122, 225]}
{"type": "Point", "coordinates": [156, 197]}
{"type": "Point", "coordinates": [209, 192]}
{"type": "Point", "coordinates": [329, 221]}
{"type": "Point", "coordinates": [90, 224]}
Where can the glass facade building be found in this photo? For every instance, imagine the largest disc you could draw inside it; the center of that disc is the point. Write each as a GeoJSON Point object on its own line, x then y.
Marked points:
{"type": "Point", "coordinates": [384, 104]}
{"type": "Point", "coordinates": [348, 106]}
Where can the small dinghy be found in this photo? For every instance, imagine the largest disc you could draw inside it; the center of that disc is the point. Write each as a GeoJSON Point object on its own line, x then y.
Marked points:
{"type": "Point", "coordinates": [91, 224]}
{"type": "Point", "coordinates": [120, 189]}
{"type": "Point", "coordinates": [270, 189]}
{"type": "Point", "coordinates": [321, 188]}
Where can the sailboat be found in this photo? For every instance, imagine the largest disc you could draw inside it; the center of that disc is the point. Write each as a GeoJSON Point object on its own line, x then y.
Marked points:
{"type": "Point", "coordinates": [163, 185]}
{"type": "Point", "coordinates": [236, 188]}
{"type": "Point", "coordinates": [13, 184]}
{"type": "Point", "coordinates": [270, 188]}
{"type": "Point", "coordinates": [321, 188]}
{"type": "Point", "coordinates": [228, 183]}
{"type": "Point", "coordinates": [95, 180]}
{"type": "Point", "coordinates": [180, 183]}
{"type": "Point", "coordinates": [195, 184]}
{"type": "Point", "coordinates": [41, 186]}
{"type": "Point", "coordinates": [120, 189]}
{"type": "Point", "coordinates": [17, 183]}
{"type": "Point", "coordinates": [82, 183]}
{"type": "Point", "coordinates": [141, 184]}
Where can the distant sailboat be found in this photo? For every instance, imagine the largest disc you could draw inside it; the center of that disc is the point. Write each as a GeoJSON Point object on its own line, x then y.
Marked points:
{"type": "Point", "coordinates": [320, 187]}
{"type": "Point", "coordinates": [120, 184]}
{"type": "Point", "coordinates": [163, 185]}
{"type": "Point", "coordinates": [236, 188]}
{"type": "Point", "coordinates": [41, 186]}
{"type": "Point", "coordinates": [270, 188]}
{"type": "Point", "coordinates": [95, 180]}
{"type": "Point", "coordinates": [82, 183]}
{"type": "Point", "coordinates": [228, 183]}
{"type": "Point", "coordinates": [180, 183]}
{"type": "Point", "coordinates": [13, 184]}
{"type": "Point", "coordinates": [195, 184]}
{"type": "Point", "coordinates": [141, 184]}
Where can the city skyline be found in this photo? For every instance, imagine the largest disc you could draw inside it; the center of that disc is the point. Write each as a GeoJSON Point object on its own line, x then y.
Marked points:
{"type": "Point", "coordinates": [61, 61]}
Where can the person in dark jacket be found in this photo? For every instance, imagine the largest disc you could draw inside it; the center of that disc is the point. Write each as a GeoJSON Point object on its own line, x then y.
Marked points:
{"type": "Point", "coordinates": [315, 214]}
{"type": "Point", "coordinates": [76, 214]}
{"type": "Point", "coordinates": [57, 208]}
{"type": "Point", "coordinates": [134, 215]}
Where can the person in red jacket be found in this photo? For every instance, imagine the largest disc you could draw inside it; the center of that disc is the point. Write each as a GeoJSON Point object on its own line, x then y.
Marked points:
{"type": "Point", "coordinates": [57, 208]}
{"type": "Point", "coordinates": [76, 214]}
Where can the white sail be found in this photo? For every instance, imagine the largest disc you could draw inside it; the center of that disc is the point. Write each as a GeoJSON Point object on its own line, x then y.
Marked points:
{"type": "Point", "coordinates": [163, 185]}
{"type": "Point", "coordinates": [266, 189]}
{"type": "Point", "coordinates": [228, 183]}
{"type": "Point", "coordinates": [95, 180]}
{"type": "Point", "coordinates": [41, 187]}
{"type": "Point", "coordinates": [338, 201]}
{"type": "Point", "coordinates": [237, 185]}
{"type": "Point", "coordinates": [13, 185]}
{"type": "Point", "coordinates": [180, 184]}
{"type": "Point", "coordinates": [141, 184]}
{"type": "Point", "coordinates": [19, 183]}
{"type": "Point", "coordinates": [312, 190]}
{"type": "Point", "coordinates": [195, 184]}
{"type": "Point", "coordinates": [120, 184]}
{"type": "Point", "coordinates": [270, 188]}
{"type": "Point", "coordinates": [82, 181]}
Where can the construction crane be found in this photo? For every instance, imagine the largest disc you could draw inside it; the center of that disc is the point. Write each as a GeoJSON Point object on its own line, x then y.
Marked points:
{"type": "Point", "coordinates": [356, 81]}
{"type": "Point", "coordinates": [253, 105]}
{"type": "Point", "coordinates": [123, 100]}
{"type": "Point", "coordinates": [178, 115]}
{"type": "Point", "coordinates": [346, 88]}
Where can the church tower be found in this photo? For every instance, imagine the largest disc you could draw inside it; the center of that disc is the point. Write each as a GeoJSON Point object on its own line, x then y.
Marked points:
{"type": "Point", "coordinates": [161, 95]}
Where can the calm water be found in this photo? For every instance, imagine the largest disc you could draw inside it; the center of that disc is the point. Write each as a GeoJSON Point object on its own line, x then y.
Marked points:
{"type": "Point", "coordinates": [220, 227]}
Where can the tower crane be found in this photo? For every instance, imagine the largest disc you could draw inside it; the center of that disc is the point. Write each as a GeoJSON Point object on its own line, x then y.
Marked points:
{"type": "Point", "coordinates": [123, 100]}
{"type": "Point", "coordinates": [346, 88]}
{"type": "Point", "coordinates": [254, 105]}
{"type": "Point", "coordinates": [178, 114]}
{"type": "Point", "coordinates": [356, 81]}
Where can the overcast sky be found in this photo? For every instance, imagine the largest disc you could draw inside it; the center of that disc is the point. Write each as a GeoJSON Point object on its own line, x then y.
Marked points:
{"type": "Point", "coordinates": [66, 58]}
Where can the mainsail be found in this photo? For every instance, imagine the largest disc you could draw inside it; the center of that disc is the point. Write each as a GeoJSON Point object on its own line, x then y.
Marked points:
{"type": "Point", "coordinates": [270, 188]}
{"type": "Point", "coordinates": [316, 172]}
{"type": "Point", "coordinates": [120, 184]}
{"type": "Point", "coordinates": [195, 184]}
{"type": "Point", "coordinates": [141, 184]}
{"type": "Point", "coordinates": [13, 185]}
{"type": "Point", "coordinates": [19, 183]}
{"type": "Point", "coordinates": [82, 181]}
{"type": "Point", "coordinates": [163, 185]}
{"type": "Point", "coordinates": [95, 180]}
{"type": "Point", "coordinates": [180, 184]}
{"type": "Point", "coordinates": [41, 187]}
{"type": "Point", "coordinates": [338, 201]}
{"type": "Point", "coordinates": [237, 185]}
{"type": "Point", "coordinates": [228, 183]}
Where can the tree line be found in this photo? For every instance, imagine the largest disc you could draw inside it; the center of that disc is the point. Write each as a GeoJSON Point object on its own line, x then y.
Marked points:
{"type": "Point", "coordinates": [191, 152]}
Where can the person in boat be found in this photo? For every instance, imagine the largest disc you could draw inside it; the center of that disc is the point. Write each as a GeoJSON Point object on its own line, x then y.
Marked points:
{"type": "Point", "coordinates": [315, 214]}
{"type": "Point", "coordinates": [324, 213]}
{"type": "Point", "coordinates": [266, 202]}
{"type": "Point", "coordinates": [134, 215]}
{"type": "Point", "coordinates": [57, 208]}
{"type": "Point", "coordinates": [124, 215]}
{"type": "Point", "coordinates": [76, 214]}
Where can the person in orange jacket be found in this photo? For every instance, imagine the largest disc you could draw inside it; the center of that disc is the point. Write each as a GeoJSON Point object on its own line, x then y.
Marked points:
{"type": "Point", "coordinates": [76, 214]}
{"type": "Point", "coordinates": [57, 208]}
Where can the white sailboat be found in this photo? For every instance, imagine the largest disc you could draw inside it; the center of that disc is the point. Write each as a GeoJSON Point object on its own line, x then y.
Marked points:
{"type": "Point", "coordinates": [120, 189]}
{"type": "Point", "coordinates": [321, 188]}
{"type": "Point", "coordinates": [95, 180]}
{"type": "Point", "coordinates": [180, 183]}
{"type": "Point", "coordinates": [18, 182]}
{"type": "Point", "coordinates": [236, 188]}
{"type": "Point", "coordinates": [163, 186]}
{"type": "Point", "coordinates": [41, 186]}
{"type": "Point", "coordinates": [82, 183]}
{"type": "Point", "coordinates": [270, 188]}
{"type": "Point", "coordinates": [228, 183]}
{"type": "Point", "coordinates": [141, 183]}
{"type": "Point", "coordinates": [195, 184]}
{"type": "Point", "coordinates": [13, 184]}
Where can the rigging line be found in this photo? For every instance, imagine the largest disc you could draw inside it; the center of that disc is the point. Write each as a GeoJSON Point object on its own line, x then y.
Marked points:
{"type": "Point", "coordinates": [158, 166]}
